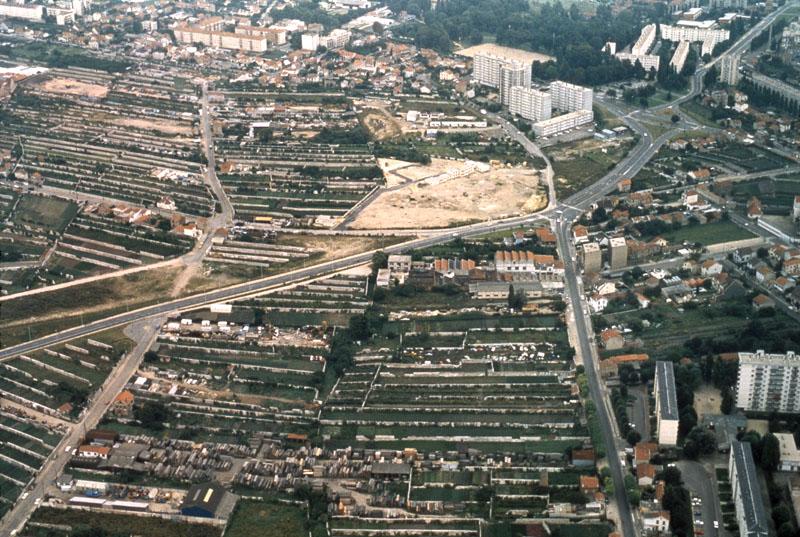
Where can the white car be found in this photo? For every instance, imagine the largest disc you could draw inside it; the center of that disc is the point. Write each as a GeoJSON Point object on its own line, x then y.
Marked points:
{"type": "Point", "coordinates": [716, 524]}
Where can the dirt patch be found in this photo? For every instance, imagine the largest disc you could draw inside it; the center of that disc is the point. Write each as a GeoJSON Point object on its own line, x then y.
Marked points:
{"type": "Point", "coordinates": [707, 400]}
{"type": "Point", "coordinates": [337, 246]}
{"type": "Point", "coordinates": [380, 124]}
{"type": "Point", "coordinates": [70, 86]}
{"type": "Point", "coordinates": [451, 192]}
{"type": "Point", "coordinates": [183, 279]}
{"type": "Point", "coordinates": [162, 125]}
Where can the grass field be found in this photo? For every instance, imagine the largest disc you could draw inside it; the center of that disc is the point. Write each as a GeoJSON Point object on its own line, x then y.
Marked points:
{"type": "Point", "coordinates": [50, 213]}
{"type": "Point", "coordinates": [585, 168]}
{"type": "Point", "coordinates": [266, 520]}
{"type": "Point", "coordinates": [122, 524]}
{"type": "Point", "coordinates": [717, 232]}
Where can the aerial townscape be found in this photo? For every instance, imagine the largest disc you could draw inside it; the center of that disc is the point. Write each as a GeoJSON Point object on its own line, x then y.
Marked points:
{"type": "Point", "coordinates": [400, 268]}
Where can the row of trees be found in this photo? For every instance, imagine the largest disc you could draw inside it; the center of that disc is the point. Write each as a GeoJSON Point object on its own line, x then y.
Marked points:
{"type": "Point", "coordinates": [573, 38]}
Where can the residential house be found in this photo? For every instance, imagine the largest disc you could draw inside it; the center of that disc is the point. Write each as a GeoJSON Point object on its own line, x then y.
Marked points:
{"type": "Point", "coordinates": [545, 236]}
{"type": "Point", "coordinates": [754, 208]}
{"type": "Point", "coordinates": [122, 406]}
{"type": "Point", "coordinates": [791, 267]}
{"type": "Point", "coordinates": [645, 474]}
{"type": "Point", "coordinates": [598, 303]}
{"type": "Point", "coordinates": [88, 451]}
{"type": "Point", "coordinates": [762, 302]}
{"type": "Point", "coordinates": [399, 263]}
{"type": "Point", "coordinates": [589, 484]}
{"type": "Point", "coordinates": [710, 267]}
{"type": "Point", "coordinates": [783, 284]}
{"type": "Point", "coordinates": [612, 339]}
{"type": "Point", "coordinates": [744, 255]}
{"type": "Point", "coordinates": [580, 234]}
{"type": "Point", "coordinates": [643, 452]}
{"type": "Point", "coordinates": [583, 458]}
{"type": "Point", "coordinates": [656, 522]}
{"type": "Point", "coordinates": [764, 273]}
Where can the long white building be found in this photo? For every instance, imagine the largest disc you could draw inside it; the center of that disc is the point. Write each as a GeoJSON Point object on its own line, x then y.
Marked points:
{"type": "Point", "coordinates": [746, 491]}
{"type": "Point", "coordinates": [558, 124]}
{"type": "Point", "coordinates": [679, 57]}
{"type": "Point", "coordinates": [15, 11]}
{"type": "Point", "coordinates": [648, 61]}
{"type": "Point", "coordinates": [704, 32]}
{"type": "Point", "coordinates": [531, 104]}
{"type": "Point", "coordinates": [570, 97]}
{"type": "Point", "coordinates": [666, 404]}
{"type": "Point", "coordinates": [768, 382]}
{"type": "Point", "coordinates": [645, 41]}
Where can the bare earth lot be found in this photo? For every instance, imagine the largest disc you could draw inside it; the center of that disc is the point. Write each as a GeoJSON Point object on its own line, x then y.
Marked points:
{"type": "Point", "coordinates": [69, 86]}
{"type": "Point", "coordinates": [417, 201]}
{"type": "Point", "coordinates": [162, 125]}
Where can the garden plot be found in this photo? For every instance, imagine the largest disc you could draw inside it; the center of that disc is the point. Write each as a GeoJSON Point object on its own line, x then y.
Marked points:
{"type": "Point", "coordinates": [58, 380]}
{"type": "Point", "coordinates": [273, 164]}
{"type": "Point", "coordinates": [23, 447]}
{"type": "Point", "coordinates": [220, 385]}
{"type": "Point", "coordinates": [109, 145]}
{"type": "Point", "coordinates": [107, 244]}
{"type": "Point", "coordinates": [434, 404]}
{"type": "Point", "coordinates": [311, 194]}
{"type": "Point", "coordinates": [331, 300]}
{"type": "Point", "coordinates": [354, 527]}
{"type": "Point", "coordinates": [256, 254]}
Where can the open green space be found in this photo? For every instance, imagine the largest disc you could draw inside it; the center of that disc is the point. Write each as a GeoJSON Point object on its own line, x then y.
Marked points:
{"type": "Point", "coordinates": [266, 520]}
{"type": "Point", "coordinates": [579, 171]}
{"type": "Point", "coordinates": [46, 212]}
{"type": "Point", "coordinates": [706, 234]}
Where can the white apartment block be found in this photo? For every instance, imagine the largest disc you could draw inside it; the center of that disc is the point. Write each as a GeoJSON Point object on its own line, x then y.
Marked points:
{"type": "Point", "coordinates": [768, 382]}
{"type": "Point", "coordinates": [703, 32]}
{"type": "Point", "coordinates": [648, 61]}
{"type": "Point", "coordinates": [750, 513]}
{"type": "Point", "coordinates": [486, 69]}
{"type": "Point", "coordinates": [530, 104]}
{"type": "Point", "coordinates": [558, 124]}
{"type": "Point", "coordinates": [729, 70]}
{"type": "Point", "coordinates": [679, 58]}
{"type": "Point", "coordinates": [666, 404]}
{"type": "Point", "coordinates": [645, 41]}
{"type": "Point", "coordinates": [13, 11]}
{"type": "Point", "coordinates": [336, 39]}
{"type": "Point", "coordinates": [618, 253]}
{"type": "Point", "coordinates": [227, 40]}
{"type": "Point", "coordinates": [309, 42]}
{"type": "Point", "coordinates": [570, 97]}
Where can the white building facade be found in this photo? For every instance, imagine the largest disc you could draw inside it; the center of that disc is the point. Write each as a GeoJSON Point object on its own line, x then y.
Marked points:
{"type": "Point", "coordinates": [768, 382]}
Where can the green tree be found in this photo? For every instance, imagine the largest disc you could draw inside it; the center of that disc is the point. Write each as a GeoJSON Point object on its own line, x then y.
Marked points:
{"type": "Point", "coordinates": [152, 415]}
{"type": "Point", "coordinates": [770, 453]}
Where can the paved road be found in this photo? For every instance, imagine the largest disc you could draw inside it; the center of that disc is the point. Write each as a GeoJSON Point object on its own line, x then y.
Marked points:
{"type": "Point", "coordinates": [701, 485]}
{"type": "Point", "coordinates": [144, 333]}
{"type": "Point", "coordinates": [225, 218]}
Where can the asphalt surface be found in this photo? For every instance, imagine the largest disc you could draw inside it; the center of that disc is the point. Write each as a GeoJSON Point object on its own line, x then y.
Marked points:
{"type": "Point", "coordinates": [700, 484]}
